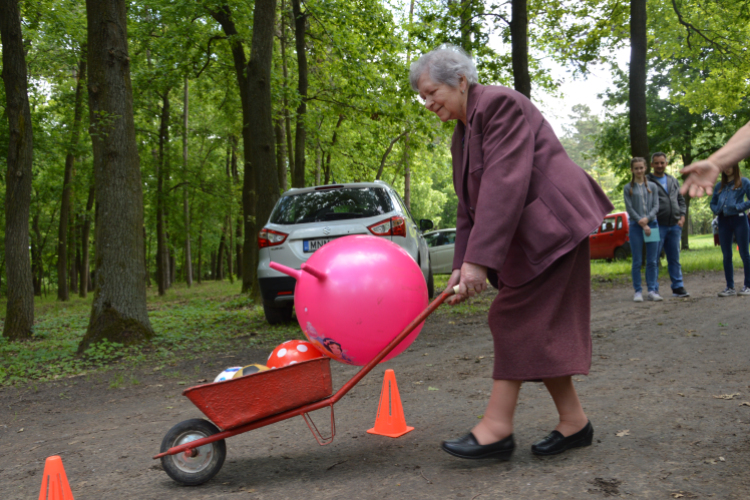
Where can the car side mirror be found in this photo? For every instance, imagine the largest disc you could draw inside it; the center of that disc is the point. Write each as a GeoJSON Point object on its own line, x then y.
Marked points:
{"type": "Point", "coordinates": [425, 224]}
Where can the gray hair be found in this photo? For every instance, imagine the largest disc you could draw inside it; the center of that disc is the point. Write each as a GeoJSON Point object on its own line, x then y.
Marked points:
{"type": "Point", "coordinates": [445, 64]}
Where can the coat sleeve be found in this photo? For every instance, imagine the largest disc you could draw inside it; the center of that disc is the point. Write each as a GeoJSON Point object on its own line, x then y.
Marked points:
{"type": "Point", "coordinates": [744, 205]}
{"type": "Point", "coordinates": [463, 229]}
{"type": "Point", "coordinates": [681, 200]}
{"type": "Point", "coordinates": [507, 149]}
{"type": "Point", "coordinates": [629, 204]}
{"type": "Point", "coordinates": [715, 200]}
{"type": "Point", "coordinates": [653, 209]}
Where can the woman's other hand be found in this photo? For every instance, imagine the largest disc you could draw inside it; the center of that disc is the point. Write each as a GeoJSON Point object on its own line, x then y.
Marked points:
{"type": "Point", "coordinates": [647, 231]}
{"type": "Point", "coordinates": [701, 178]}
{"type": "Point", "coordinates": [473, 279]}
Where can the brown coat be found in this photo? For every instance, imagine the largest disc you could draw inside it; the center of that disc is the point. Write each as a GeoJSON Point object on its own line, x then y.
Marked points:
{"type": "Point", "coordinates": [522, 202]}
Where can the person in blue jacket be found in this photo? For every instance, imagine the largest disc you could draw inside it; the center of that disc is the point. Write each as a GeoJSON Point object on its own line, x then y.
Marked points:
{"type": "Point", "coordinates": [730, 200]}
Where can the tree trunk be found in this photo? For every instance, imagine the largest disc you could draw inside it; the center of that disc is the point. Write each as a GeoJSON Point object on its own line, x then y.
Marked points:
{"type": "Point", "coordinates": [318, 163]}
{"type": "Point", "coordinates": [185, 204]}
{"type": "Point", "coordinates": [238, 248]}
{"type": "Point", "coordinates": [19, 315]}
{"type": "Point", "coordinates": [37, 265]}
{"type": "Point", "coordinates": [230, 246]}
{"type": "Point", "coordinates": [407, 173]}
{"type": "Point", "coordinates": [72, 247]}
{"type": "Point", "coordinates": [300, 22]}
{"type": "Point", "coordinates": [637, 98]}
{"type": "Point", "coordinates": [327, 177]}
{"type": "Point", "coordinates": [280, 153]}
{"type": "Point", "coordinates": [519, 25]}
{"type": "Point", "coordinates": [162, 253]}
{"type": "Point", "coordinates": [687, 159]}
{"type": "Point", "coordinates": [119, 312]}
{"type": "Point", "coordinates": [86, 229]}
{"type": "Point", "coordinates": [219, 274]}
{"type": "Point", "coordinates": [65, 207]}
{"type": "Point", "coordinates": [287, 118]}
{"type": "Point", "coordinates": [260, 188]}
{"type": "Point", "coordinates": [200, 253]}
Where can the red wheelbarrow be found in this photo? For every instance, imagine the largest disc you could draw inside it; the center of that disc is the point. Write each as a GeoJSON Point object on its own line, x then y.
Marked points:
{"type": "Point", "coordinates": [193, 451]}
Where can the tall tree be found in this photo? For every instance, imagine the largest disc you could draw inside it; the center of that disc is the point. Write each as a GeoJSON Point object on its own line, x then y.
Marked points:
{"type": "Point", "coordinates": [19, 315]}
{"type": "Point", "coordinates": [261, 186]}
{"type": "Point", "coordinates": [300, 135]}
{"type": "Point", "coordinates": [637, 78]}
{"type": "Point", "coordinates": [118, 312]}
{"type": "Point", "coordinates": [66, 206]}
{"type": "Point", "coordinates": [185, 203]}
{"type": "Point", "coordinates": [519, 26]}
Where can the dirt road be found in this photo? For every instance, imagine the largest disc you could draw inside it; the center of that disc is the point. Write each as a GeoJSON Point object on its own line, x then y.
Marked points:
{"type": "Point", "coordinates": [665, 396]}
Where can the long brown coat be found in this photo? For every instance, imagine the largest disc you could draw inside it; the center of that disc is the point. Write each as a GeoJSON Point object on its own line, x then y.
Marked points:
{"type": "Point", "coordinates": [522, 202]}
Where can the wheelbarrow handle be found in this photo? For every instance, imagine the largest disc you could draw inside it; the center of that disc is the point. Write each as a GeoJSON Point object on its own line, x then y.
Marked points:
{"type": "Point", "coordinates": [392, 345]}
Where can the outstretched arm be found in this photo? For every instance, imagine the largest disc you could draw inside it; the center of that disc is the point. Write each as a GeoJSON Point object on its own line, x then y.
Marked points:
{"type": "Point", "coordinates": [702, 174]}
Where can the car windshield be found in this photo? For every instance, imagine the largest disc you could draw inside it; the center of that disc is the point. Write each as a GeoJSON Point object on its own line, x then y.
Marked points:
{"type": "Point", "coordinates": [332, 204]}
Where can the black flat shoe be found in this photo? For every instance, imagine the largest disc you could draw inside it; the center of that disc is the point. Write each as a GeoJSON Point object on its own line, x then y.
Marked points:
{"type": "Point", "coordinates": [468, 447]}
{"type": "Point", "coordinates": [556, 443]}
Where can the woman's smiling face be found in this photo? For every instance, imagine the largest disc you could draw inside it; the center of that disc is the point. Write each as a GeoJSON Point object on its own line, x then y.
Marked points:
{"type": "Point", "coordinates": [445, 101]}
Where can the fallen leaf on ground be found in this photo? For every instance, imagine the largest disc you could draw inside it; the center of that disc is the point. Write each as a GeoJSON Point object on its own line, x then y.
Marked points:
{"type": "Point", "coordinates": [677, 495]}
{"type": "Point", "coordinates": [635, 359]}
{"type": "Point", "coordinates": [625, 432]}
{"type": "Point", "coordinates": [728, 396]}
{"type": "Point", "coordinates": [710, 461]}
{"type": "Point", "coordinates": [202, 381]}
{"type": "Point", "coordinates": [20, 430]}
{"type": "Point", "coordinates": [745, 403]}
{"type": "Point", "coordinates": [433, 389]}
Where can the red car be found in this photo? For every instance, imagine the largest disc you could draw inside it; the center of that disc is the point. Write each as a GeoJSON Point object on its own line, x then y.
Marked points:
{"type": "Point", "coordinates": [610, 240]}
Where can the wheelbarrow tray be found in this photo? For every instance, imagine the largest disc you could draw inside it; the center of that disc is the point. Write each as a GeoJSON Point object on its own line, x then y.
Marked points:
{"type": "Point", "coordinates": [238, 401]}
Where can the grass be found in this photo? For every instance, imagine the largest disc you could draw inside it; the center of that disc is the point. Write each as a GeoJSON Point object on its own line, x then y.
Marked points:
{"type": "Point", "coordinates": [212, 316]}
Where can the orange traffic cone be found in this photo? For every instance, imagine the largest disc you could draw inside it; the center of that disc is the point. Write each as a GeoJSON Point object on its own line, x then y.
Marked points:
{"type": "Point", "coordinates": [55, 484]}
{"type": "Point", "coordinates": [390, 420]}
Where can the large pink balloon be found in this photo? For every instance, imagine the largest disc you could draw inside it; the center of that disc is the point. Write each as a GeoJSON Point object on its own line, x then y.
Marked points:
{"type": "Point", "coordinates": [355, 294]}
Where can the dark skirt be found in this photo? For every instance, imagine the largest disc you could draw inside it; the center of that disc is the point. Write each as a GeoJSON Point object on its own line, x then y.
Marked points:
{"type": "Point", "coordinates": [543, 328]}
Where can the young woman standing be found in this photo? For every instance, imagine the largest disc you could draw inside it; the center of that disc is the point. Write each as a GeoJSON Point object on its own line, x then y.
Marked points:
{"type": "Point", "coordinates": [729, 204]}
{"type": "Point", "coordinates": [642, 204]}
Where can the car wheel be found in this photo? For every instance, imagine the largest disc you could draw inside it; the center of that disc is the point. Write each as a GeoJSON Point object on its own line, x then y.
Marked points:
{"type": "Point", "coordinates": [620, 253]}
{"type": "Point", "coordinates": [430, 282]}
{"type": "Point", "coordinates": [277, 315]}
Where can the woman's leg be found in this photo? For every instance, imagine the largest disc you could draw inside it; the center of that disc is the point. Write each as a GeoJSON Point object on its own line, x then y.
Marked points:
{"type": "Point", "coordinates": [742, 231]}
{"type": "Point", "coordinates": [572, 416]}
{"type": "Point", "coordinates": [725, 238]}
{"type": "Point", "coordinates": [497, 422]}
{"type": "Point", "coordinates": [652, 269]}
{"type": "Point", "coordinates": [636, 249]}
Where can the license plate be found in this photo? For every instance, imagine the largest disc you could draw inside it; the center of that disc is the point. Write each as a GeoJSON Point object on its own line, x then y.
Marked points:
{"type": "Point", "coordinates": [309, 246]}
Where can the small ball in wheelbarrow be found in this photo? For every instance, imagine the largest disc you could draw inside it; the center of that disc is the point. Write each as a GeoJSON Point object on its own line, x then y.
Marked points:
{"type": "Point", "coordinates": [250, 369]}
{"type": "Point", "coordinates": [356, 294]}
{"type": "Point", "coordinates": [292, 352]}
{"type": "Point", "coordinates": [227, 374]}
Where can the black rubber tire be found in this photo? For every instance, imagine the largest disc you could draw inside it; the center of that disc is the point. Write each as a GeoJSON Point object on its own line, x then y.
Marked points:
{"type": "Point", "coordinates": [620, 253]}
{"type": "Point", "coordinates": [217, 451]}
{"type": "Point", "coordinates": [430, 282]}
{"type": "Point", "coordinates": [277, 315]}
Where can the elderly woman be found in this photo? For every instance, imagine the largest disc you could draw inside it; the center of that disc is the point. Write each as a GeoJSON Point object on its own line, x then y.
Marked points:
{"type": "Point", "coordinates": [525, 212]}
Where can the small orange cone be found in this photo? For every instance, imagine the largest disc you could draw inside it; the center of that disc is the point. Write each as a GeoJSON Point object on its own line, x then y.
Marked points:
{"type": "Point", "coordinates": [390, 420]}
{"type": "Point", "coordinates": [55, 484]}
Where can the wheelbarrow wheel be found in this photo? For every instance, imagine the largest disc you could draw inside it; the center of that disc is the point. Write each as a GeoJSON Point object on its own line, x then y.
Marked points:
{"type": "Point", "coordinates": [195, 468]}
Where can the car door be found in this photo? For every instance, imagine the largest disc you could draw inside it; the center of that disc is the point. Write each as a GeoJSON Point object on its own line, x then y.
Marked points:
{"type": "Point", "coordinates": [441, 251]}
{"type": "Point", "coordinates": [606, 238]}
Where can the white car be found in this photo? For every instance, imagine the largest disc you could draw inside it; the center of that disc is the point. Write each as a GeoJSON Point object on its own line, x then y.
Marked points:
{"type": "Point", "coordinates": [441, 243]}
{"type": "Point", "coordinates": [305, 219]}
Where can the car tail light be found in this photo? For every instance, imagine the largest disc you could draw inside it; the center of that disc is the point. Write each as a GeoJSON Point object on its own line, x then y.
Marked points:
{"type": "Point", "coordinates": [395, 226]}
{"type": "Point", "coordinates": [270, 238]}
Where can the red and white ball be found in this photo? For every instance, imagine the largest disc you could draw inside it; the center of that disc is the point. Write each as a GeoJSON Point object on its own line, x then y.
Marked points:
{"type": "Point", "coordinates": [292, 352]}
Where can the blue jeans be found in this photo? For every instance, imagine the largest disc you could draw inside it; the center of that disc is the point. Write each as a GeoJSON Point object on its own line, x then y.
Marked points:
{"type": "Point", "coordinates": [734, 225]}
{"type": "Point", "coordinates": [636, 248]}
{"type": "Point", "coordinates": [671, 236]}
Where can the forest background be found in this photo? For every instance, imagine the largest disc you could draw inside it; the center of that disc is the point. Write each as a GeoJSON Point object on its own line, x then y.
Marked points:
{"type": "Point", "coordinates": [229, 103]}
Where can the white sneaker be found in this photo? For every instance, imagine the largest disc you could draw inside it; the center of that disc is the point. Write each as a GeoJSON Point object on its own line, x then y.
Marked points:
{"type": "Point", "coordinates": [654, 296]}
{"type": "Point", "coordinates": [728, 292]}
{"type": "Point", "coordinates": [745, 291]}
{"type": "Point", "coordinates": [638, 297]}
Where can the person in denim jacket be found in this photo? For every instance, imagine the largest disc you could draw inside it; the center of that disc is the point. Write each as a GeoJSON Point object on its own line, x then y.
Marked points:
{"type": "Point", "coordinates": [642, 204]}
{"type": "Point", "coordinates": [730, 200]}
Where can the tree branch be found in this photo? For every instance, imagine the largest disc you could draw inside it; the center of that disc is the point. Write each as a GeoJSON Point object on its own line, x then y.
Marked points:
{"type": "Point", "coordinates": [387, 152]}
